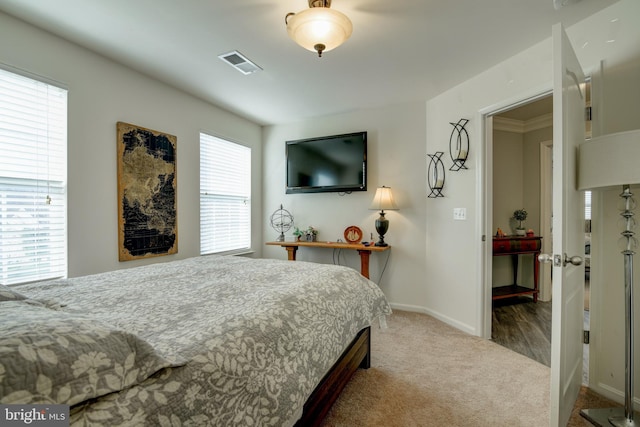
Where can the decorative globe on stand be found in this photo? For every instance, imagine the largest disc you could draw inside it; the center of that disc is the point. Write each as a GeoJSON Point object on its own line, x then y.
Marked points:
{"type": "Point", "coordinates": [281, 221]}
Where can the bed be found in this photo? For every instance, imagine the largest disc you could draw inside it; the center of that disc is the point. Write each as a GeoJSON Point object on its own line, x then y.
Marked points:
{"type": "Point", "coordinates": [211, 340]}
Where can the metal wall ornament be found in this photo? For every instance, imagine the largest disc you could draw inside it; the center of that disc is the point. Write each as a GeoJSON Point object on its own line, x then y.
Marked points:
{"type": "Point", "coordinates": [435, 174]}
{"type": "Point", "coordinates": [459, 145]}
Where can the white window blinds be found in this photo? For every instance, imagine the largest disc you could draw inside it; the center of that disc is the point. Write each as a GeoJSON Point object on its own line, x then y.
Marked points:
{"type": "Point", "coordinates": [587, 205]}
{"type": "Point", "coordinates": [33, 170]}
{"type": "Point", "coordinates": [225, 195]}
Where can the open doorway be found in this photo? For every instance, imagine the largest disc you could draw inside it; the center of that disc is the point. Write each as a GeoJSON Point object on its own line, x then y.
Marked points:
{"type": "Point", "coordinates": [518, 134]}
{"type": "Point", "coordinates": [521, 296]}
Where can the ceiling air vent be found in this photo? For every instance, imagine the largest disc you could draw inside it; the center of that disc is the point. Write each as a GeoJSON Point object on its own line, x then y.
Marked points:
{"type": "Point", "coordinates": [558, 4]}
{"type": "Point", "coordinates": [239, 62]}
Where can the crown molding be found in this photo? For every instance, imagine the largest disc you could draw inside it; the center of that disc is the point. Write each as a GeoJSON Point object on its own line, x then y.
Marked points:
{"type": "Point", "coordinates": [540, 122]}
{"type": "Point", "coordinates": [508, 125]}
{"type": "Point", "coordinates": [522, 126]}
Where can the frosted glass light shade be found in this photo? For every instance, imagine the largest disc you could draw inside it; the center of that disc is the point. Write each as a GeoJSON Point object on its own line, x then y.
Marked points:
{"type": "Point", "coordinates": [620, 151]}
{"type": "Point", "coordinates": [383, 200]}
{"type": "Point", "coordinates": [319, 26]}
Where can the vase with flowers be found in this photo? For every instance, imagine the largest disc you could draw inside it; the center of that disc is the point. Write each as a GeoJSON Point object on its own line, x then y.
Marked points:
{"type": "Point", "coordinates": [311, 234]}
{"type": "Point", "coordinates": [308, 235]}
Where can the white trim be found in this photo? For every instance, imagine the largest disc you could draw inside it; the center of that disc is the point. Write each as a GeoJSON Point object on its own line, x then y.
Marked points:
{"type": "Point", "coordinates": [241, 252]}
{"type": "Point", "coordinates": [485, 209]}
{"type": "Point", "coordinates": [597, 100]}
{"type": "Point", "coordinates": [506, 124]}
{"type": "Point", "coordinates": [33, 76]}
{"type": "Point", "coordinates": [546, 170]}
{"type": "Point", "coordinates": [517, 101]}
{"type": "Point", "coordinates": [445, 319]}
{"type": "Point", "coordinates": [522, 126]}
{"type": "Point", "coordinates": [540, 122]}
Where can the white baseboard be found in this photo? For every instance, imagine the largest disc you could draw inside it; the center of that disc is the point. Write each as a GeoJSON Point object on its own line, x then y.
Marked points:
{"type": "Point", "coordinates": [611, 393]}
{"type": "Point", "coordinates": [449, 321]}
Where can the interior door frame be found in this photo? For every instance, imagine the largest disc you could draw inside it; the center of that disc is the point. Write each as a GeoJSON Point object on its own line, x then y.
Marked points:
{"type": "Point", "coordinates": [546, 216]}
{"type": "Point", "coordinates": [485, 118]}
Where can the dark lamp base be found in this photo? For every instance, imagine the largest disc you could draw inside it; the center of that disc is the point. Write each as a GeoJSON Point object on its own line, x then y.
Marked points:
{"type": "Point", "coordinates": [382, 225]}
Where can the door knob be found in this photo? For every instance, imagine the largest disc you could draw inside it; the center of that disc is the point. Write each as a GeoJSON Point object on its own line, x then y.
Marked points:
{"type": "Point", "coordinates": [545, 258]}
{"type": "Point", "coordinates": [574, 260]}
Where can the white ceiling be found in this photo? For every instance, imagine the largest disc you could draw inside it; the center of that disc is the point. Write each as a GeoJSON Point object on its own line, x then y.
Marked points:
{"type": "Point", "coordinates": [400, 50]}
{"type": "Point", "coordinates": [531, 110]}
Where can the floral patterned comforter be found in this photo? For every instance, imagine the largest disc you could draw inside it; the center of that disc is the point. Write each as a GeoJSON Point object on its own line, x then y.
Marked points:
{"type": "Point", "coordinates": [227, 340]}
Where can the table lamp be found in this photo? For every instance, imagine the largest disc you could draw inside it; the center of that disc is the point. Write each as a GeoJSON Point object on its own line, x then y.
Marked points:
{"type": "Point", "coordinates": [381, 201]}
{"type": "Point", "coordinates": [623, 151]}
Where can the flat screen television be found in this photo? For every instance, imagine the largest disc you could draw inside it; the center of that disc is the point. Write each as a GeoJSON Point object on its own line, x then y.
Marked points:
{"type": "Point", "coordinates": [336, 163]}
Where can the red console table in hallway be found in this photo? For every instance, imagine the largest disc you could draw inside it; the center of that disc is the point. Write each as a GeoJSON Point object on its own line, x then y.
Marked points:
{"type": "Point", "coordinates": [516, 246]}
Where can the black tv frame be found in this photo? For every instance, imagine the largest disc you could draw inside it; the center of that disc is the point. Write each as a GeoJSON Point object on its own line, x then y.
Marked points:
{"type": "Point", "coordinates": [328, 188]}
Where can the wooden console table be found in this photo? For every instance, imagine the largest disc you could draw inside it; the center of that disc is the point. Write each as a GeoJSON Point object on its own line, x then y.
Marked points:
{"type": "Point", "coordinates": [515, 246]}
{"type": "Point", "coordinates": [364, 251]}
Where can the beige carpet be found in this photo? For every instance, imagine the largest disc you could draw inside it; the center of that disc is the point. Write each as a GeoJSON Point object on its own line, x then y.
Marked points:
{"type": "Point", "coordinates": [426, 373]}
{"type": "Point", "coordinates": [588, 399]}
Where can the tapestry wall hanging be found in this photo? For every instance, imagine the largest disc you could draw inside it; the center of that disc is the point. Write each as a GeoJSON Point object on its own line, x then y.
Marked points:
{"type": "Point", "coordinates": [147, 202]}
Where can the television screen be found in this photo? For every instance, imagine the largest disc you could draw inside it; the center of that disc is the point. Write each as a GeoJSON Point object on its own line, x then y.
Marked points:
{"type": "Point", "coordinates": [335, 163]}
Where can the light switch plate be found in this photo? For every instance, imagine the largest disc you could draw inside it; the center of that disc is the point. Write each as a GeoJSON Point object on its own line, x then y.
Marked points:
{"type": "Point", "coordinates": [460, 214]}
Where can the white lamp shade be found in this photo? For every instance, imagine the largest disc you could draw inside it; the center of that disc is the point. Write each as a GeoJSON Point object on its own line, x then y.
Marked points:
{"type": "Point", "coordinates": [609, 161]}
{"type": "Point", "coordinates": [319, 25]}
{"type": "Point", "coordinates": [383, 200]}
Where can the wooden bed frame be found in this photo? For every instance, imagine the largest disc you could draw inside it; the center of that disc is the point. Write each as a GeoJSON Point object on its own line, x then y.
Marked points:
{"type": "Point", "coordinates": [357, 355]}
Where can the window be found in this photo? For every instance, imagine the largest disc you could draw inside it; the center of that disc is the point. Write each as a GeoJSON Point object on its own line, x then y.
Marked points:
{"type": "Point", "coordinates": [587, 205]}
{"type": "Point", "coordinates": [33, 171]}
{"type": "Point", "coordinates": [225, 195]}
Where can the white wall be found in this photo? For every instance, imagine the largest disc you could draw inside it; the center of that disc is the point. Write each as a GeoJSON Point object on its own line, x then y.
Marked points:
{"type": "Point", "coordinates": [101, 93]}
{"type": "Point", "coordinates": [455, 292]}
{"type": "Point", "coordinates": [508, 179]}
{"type": "Point", "coordinates": [509, 195]}
{"type": "Point", "coordinates": [396, 158]}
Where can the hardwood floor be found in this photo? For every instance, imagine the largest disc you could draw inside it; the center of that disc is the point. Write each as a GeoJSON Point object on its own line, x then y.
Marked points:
{"type": "Point", "coordinates": [524, 327]}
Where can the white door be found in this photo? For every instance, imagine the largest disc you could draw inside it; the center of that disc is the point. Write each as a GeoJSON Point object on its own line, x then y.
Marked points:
{"type": "Point", "coordinates": [568, 230]}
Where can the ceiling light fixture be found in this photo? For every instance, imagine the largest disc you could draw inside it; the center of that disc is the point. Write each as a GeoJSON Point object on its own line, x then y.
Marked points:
{"type": "Point", "coordinates": [319, 28]}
